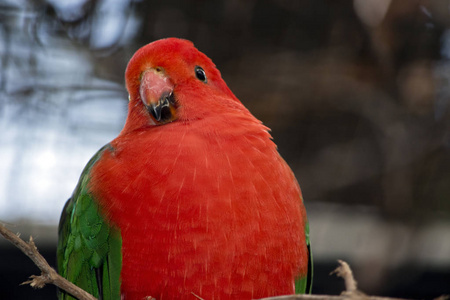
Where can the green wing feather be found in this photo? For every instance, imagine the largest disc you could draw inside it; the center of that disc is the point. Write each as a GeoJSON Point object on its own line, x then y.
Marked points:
{"type": "Point", "coordinates": [89, 249]}
{"type": "Point", "coordinates": [303, 284]}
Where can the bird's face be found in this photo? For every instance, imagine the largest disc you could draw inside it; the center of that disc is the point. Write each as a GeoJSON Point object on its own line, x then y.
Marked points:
{"type": "Point", "coordinates": [170, 79]}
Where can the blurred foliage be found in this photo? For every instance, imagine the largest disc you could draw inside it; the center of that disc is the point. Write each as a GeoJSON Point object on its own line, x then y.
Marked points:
{"type": "Point", "coordinates": [360, 111]}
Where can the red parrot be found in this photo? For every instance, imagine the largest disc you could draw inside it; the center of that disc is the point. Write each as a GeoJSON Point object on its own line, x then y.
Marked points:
{"type": "Point", "coordinates": [191, 200]}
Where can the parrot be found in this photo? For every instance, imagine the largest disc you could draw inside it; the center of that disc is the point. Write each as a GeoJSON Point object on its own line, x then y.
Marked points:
{"type": "Point", "coordinates": [191, 200]}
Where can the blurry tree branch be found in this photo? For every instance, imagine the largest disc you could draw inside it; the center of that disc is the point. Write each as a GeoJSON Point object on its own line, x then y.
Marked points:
{"type": "Point", "coordinates": [351, 292]}
{"type": "Point", "coordinates": [48, 275]}
{"type": "Point", "coordinates": [346, 273]}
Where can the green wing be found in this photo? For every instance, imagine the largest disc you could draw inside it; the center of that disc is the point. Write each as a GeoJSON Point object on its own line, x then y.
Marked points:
{"type": "Point", "coordinates": [89, 249]}
{"type": "Point", "coordinates": [303, 284]}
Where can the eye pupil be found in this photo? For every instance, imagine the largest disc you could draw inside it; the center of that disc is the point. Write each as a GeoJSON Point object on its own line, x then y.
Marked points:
{"type": "Point", "coordinates": [200, 74]}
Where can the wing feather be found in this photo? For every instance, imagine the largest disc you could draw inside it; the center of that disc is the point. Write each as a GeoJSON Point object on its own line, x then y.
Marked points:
{"type": "Point", "coordinates": [89, 249]}
{"type": "Point", "coordinates": [303, 284]}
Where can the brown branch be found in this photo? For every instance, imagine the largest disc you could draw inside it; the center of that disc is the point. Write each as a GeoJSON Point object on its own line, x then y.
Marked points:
{"type": "Point", "coordinates": [351, 292]}
{"type": "Point", "coordinates": [48, 275]}
{"type": "Point", "coordinates": [344, 296]}
{"type": "Point", "coordinates": [346, 273]}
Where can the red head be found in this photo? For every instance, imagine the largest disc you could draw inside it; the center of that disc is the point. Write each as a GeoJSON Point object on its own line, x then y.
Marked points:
{"type": "Point", "coordinates": [170, 80]}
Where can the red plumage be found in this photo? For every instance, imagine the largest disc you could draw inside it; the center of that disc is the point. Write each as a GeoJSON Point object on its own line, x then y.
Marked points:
{"type": "Point", "coordinates": [205, 204]}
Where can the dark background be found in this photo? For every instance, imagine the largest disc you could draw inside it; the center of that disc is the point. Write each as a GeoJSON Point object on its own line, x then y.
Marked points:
{"type": "Point", "coordinates": [356, 94]}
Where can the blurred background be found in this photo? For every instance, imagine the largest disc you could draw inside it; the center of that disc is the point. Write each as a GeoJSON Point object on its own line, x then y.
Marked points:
{"type": "Point", "coordinates": [356, 92]}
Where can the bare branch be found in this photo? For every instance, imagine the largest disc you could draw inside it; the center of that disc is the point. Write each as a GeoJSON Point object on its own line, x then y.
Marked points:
{"type": "Point", "coordinates": [346, 273]}
{"type": "Point", "coordinates": [344, 296]}
{"type": "Point", "coordinates": [48, 275]}
{"type": "Point", "coordinates": [351, 292]}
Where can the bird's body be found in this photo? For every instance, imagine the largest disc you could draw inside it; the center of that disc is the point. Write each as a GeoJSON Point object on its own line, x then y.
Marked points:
{"type": "Point", "coordinates": [190, 200]}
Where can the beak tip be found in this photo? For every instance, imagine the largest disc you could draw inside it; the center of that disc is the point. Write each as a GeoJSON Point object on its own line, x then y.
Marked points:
{"type": "Point", "coordinates": [155, 111]}
{"type": "Point", "coordinates": [164, 109]}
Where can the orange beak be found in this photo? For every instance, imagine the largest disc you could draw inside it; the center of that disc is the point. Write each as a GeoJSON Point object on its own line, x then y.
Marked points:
{"type": "Point", "coordinates": [156, 91]}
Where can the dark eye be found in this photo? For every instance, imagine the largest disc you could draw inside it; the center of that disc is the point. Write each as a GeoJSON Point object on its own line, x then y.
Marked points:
{"type": "Point", "coordinates": [200, 74]}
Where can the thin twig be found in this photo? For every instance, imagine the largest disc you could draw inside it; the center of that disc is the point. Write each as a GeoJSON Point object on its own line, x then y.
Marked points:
{"type": "Point", "coordinates": [48, 275]}
{"type": "Point", "coordinates": [351, 291]}
{"type": "Point", "coordinates": [344, 271]}
{"type": "Point", "coordinates": [331, 297]}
